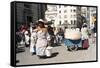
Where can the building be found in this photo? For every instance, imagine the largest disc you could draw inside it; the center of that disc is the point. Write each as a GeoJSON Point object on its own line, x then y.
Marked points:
{"type": "Point", "coordinates": [70, 16]}
{"type": "Point", "coordinates": [51, 14]}
{"type": "Point", "coordinates": [27, 12]}
{"type": "Point", "coordinates": [92, 15]}
{"type": "Point", "coordinates": [62, 15]}
{"type": "Point", "coordinates": [89, 13]}
{"type": "Point", "coordinates": [79, 18]}
{"type": "Point", "coordinates": [85, 13]}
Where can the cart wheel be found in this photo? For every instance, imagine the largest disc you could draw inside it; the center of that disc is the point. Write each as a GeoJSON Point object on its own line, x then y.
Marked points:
{"type": "Point", "coordinates": [72, 48]}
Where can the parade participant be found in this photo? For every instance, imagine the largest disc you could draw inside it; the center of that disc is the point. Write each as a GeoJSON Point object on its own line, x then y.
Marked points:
{"type": "Point", "coordinates": [60, 35]}
{"type": "Point", "coordinates": [56, 37]}
{"type": "Point", "coordinates": [51, 34]}
{"type": "Point", "coordinates": [85, 36]}
{"type": "Point", "coordinates": [41, 43]}
{"type": "Point", "coordinates": [33, 39]}
{"type": "Point", "coordinates": [84, 32]}
{"type": "Point", "coordinates": [26, 34]}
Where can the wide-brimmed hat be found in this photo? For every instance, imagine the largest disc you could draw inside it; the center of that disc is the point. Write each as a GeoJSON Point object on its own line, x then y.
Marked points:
{"type": "Point", "coordinates": [41, 20]}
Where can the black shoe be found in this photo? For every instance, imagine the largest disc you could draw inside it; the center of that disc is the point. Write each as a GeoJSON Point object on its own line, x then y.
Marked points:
{"type": "Point", "coordinates": [27, 45]}
{"type": "Point", "coordinates": [33, 53]}
{"type": "Point", "coordinates": [42, 57]}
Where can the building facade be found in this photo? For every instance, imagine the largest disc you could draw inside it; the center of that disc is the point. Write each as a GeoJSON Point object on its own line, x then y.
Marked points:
{"type": "Point", "coordinates": [89, 13]}
{"type": "Point", "coordinates": [93, 15]}
{"type": "Point", "coordinates": [27, 12]}
{"type": "Point", "coordinates": [70, 16]}
{"type": "Point", "coordinates": [62, 15]}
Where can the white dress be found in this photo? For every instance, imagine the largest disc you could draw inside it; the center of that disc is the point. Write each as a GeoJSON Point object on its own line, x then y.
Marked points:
{"type": "Point", "coordinates": [33, 41]}
{"type": "Point", "coordinates": [84, 32]}
{"type": "Point", "coordinates": [41, 43]}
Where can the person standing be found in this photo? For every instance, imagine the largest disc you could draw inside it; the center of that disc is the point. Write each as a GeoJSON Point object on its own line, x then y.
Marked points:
{"type": "Point", "coordinates": [56, 36]}
{"type": "Point", "coordinates": [84, 32]}
{"type": "Point", "coordinates": [51, 34]}
{"type": "Point", "coordinates": [60, 35]}
{"type": "Point", "coordinates": [33, 39]}
{"type": "Point", "coordinates": [41, 43]}
{"type": "Point", "coordinates": [85, 36]}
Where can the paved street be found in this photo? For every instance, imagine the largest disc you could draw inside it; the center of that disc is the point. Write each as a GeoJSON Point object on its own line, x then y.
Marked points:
{"type": "Point", "coordinates": [60, 55]}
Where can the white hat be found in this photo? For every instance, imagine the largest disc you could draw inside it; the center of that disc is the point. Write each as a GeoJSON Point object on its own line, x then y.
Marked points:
{"type": "Point", "coordinates": [41, 20]}
{"type": "Point", "coordinates": [26, 32]}
{"type": "Point", "coordinates": [84, 23]}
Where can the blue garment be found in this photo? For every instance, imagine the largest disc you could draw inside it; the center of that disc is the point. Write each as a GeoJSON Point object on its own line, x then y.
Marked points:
{"type": "Point", "coordinates": [69, 42]}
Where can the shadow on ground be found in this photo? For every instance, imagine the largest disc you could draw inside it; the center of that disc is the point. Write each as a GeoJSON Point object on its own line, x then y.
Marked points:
{"type": "Point", "coordinates": [54, 54]}
{"type": "Point", "coordinates": [55, 45]}
{"type": "Point", "coordinates": [20, 50]}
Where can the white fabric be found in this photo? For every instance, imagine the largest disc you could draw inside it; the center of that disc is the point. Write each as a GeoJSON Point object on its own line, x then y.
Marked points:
{"type": "Point", "coordinates": [26, 37]}
{"type": "Point", "coordinates": [95, 34]}
{"type": "Point", "coordinates": [84, 32]}
{"type": "Point", "coordinates": [40, 51]}
{"type": "Point", "coordinates": [22, 42]}
{"type": "Point", "coordinates": [30, 29]}
{"type": "Point", "coordinates": [72, 34]}
{"type": "Point", "coordinates": [48, 37]}
{"type": "Point", "coordinates": [33, 42]}
{"type": "Point", "coordinates": [41, 43]}
{"type": "Point", "coordinates": [48, 51]}
{"type": "Point", "coordinates": [26, 32]}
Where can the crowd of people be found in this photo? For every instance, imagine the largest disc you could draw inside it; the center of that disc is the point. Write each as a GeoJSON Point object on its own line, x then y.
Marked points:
{"type": "Point", "coordinates": [39, 37]}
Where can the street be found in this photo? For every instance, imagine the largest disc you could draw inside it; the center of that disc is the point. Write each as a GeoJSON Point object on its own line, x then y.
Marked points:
{"type": "Point", "coordinates": [60, 55]}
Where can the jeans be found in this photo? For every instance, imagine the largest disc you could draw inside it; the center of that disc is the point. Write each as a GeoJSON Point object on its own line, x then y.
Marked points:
{"type": "Point", "coordinates": [59, 39]}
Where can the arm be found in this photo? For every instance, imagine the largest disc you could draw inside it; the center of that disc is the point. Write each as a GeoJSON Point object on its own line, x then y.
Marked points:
{"type": "Point", "coordinates": [36, 30]}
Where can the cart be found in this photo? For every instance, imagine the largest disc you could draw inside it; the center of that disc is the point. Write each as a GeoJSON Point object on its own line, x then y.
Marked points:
{"type": "Point", "coordinates": [73, 39]}
{"type": "Point", "coordinates": [73, 45]}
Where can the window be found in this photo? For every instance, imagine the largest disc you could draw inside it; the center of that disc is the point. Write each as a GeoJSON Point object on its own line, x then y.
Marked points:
{"type": "Point", "coordinates": [59, 6]}
{"type": "Point", "coordinates": [52, 8]}
{"type": "Point", "coordinates": [75, 22]}
{"type": "Point", "coordinates": [74, 10]}
{"type": "Point", "coordinates": [26, 5]}
{"type": "Point", "coordinates": [71, 22]}
{"type": "Point", "coordinates": [65, 11]}
{"type": "Point", "coordinates": [60, 22]}
{"type": "Point", "coordinates": [65, 21]}
{"type": "Point", "coordinates": [74, 16]}
{"type": "Point", "coordinates": [65, 16]}
{"type": "Point", "coordinates": [71, 16]}
{"type": "Point", "coordinates": [29, 19]}
{"type": "Point", "coordinates": [59, 16]}
{"type": "Point", "coordinates": [71, 10]}
{"type": "Point", "coordinates": [59, 11]}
